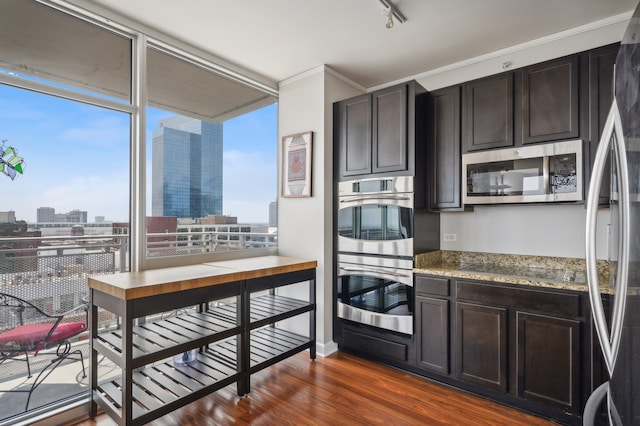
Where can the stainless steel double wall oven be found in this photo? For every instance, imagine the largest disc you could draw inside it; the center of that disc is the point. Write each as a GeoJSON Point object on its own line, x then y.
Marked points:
{"type": "Point", "coordinates": [376, 243]}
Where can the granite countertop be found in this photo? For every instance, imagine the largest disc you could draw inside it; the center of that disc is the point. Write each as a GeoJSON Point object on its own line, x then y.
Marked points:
{"type": "Point", "coordinates": [537, 271]}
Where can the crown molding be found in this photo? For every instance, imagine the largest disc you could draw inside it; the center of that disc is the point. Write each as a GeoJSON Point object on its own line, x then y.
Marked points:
{"type": "Point", "coordinates": [321, 69]}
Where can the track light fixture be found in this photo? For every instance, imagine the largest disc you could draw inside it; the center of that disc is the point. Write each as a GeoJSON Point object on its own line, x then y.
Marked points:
{"type": "Point", "coordinates": [391, 12]}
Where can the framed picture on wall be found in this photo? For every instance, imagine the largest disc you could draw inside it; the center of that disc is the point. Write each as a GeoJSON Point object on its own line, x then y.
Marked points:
{"type": "Point", "coordinates": [296, 165]}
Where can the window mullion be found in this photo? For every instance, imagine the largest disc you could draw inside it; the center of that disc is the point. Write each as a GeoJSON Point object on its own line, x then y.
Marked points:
{"type": "Point", "coordinates": [137, 229]}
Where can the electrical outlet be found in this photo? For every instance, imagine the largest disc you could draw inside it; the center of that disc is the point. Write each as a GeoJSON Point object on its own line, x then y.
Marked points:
{"type": "Point", "coordinates": [449, 237]}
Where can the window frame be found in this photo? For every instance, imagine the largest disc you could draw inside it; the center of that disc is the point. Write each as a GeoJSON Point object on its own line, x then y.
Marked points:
{"type": "Point", "coordinates": [141, 38]}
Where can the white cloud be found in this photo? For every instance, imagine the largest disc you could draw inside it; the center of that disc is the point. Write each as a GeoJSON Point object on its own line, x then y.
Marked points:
{"type": "Point", "coordinates": [98, 195]}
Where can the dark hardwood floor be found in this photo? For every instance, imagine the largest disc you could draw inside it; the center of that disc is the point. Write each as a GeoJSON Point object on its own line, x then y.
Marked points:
{"type": "Point", "coordinates": [339, 390]}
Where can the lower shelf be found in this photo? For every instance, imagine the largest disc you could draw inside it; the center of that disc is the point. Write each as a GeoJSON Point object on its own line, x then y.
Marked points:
{"type": "Point", "coordinates": [270, 345]}
{"type": "Point", "coordinates": [162, 387]}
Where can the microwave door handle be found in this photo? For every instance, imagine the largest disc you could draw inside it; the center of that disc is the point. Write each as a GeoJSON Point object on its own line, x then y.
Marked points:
{"type": "Point", "coordinates": [374, 270]}
{"type": "Point", "coordinates": [375, 197]}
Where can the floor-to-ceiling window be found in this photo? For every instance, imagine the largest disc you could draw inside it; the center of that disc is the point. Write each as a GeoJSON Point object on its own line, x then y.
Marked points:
{"type": "Point", "coordinates": [107, 169]}
{"type": "Point", "coordinates": [211, 156]}
{"type": "Point", "coordinates": [65, 130]}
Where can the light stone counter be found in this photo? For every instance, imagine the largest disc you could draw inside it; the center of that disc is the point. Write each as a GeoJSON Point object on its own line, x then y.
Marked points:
{"type": "Point", "coordinates": [538, 271]}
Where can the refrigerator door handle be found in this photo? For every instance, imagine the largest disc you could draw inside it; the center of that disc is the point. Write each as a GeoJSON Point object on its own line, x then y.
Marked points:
{"type": "Point", "coordinates": [591, 407]}
{"type": "Point", "coordinates": [609, 342]}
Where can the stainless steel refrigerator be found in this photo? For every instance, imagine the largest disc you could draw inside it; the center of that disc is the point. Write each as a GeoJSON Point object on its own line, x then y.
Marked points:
{"type": "Point", "coordinates": [618, 321]}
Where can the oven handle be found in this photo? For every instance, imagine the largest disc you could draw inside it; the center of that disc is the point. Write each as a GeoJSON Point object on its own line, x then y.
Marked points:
{"type": "Point", "coordinates": [375, 270]}
{"type": "Point", "coordinates": [375, 197]}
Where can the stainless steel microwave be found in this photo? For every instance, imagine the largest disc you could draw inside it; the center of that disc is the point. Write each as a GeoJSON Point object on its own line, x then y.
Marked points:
{"type": "Point", "coordinates": [536, 173]}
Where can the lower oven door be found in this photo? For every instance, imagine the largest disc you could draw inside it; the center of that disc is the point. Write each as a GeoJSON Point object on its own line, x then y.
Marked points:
{"type": "Point", "coordinates": [376, 291]}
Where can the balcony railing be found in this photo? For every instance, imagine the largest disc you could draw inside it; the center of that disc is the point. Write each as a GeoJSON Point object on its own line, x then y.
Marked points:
{"type": "Point", "coordinates": [195, 243]}
{"type": "Point", "coordinates": [52, 272]}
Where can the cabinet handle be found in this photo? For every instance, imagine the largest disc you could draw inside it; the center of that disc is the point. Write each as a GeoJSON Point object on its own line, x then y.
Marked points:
{"type": "Point", "coordinates": [609, 342]}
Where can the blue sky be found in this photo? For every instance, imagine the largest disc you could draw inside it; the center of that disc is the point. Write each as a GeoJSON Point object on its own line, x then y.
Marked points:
{"type": "Point", "coordinates": [77, 157]}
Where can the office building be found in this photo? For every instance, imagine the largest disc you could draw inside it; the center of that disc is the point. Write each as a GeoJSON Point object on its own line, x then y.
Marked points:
{"type": "Point", "coordinates": [273, 213]}
{"type": "Point", "coordinates": [74, 216]}
{"type": "Point", "coordinates": [8, 217]}
{"type": "Point", "coordinates": [187, 168]}
{"type": "Point", "coordinates": [46, 214]}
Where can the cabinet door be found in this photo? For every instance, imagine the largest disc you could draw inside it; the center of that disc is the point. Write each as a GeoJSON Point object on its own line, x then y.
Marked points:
{"type": "Point", "coordinates": [548, 360]}
{"type": "Point", "coordinates": [481, 338]}
{"type": "Point", "coordinates": [355, 136]}
{"type": "Point", "coordinates": [445, 149]}
{"type": "Point", "coordinates": [488, 113]}
{"type": "Point", "coordinates": [432, 321]}
{"type": "Point", "coordinates": [601, 62]}
{"type": "Point", "coordinates": [389, 139]}
{"type": "Point", "coordinates": [550, 101]}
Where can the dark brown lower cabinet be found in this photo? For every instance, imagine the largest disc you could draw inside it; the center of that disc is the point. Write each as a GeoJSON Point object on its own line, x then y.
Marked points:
{"type": "Point", "coordinates": [377, 344]}
{"type": "Point", "coordinates": [528, 347]}
{"type": "Point", "coordinates": [432, 315]}
{"type": "Point", "coordinates": [548, 361]}
{"type": "Point", "coordinates": [481, 355]}
{"type": "Point", "coordinates": [433, 344]}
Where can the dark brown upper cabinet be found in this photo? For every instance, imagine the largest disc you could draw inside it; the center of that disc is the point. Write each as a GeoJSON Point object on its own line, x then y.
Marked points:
{"type": "Point", "coordinates": [601, 64]}
{"type": "Point", "coordinates": [445, 191]}
{"type": "Point", "coordinates": [488, 112]}
{"type": "Point", "coordinates": [550, 101]}
{"type": "Point", "coordinates": [389, 138]}
{"type": "Point", "coordinates": [354, 135]}
{"type": "Point", "coordinates": [376, 132]}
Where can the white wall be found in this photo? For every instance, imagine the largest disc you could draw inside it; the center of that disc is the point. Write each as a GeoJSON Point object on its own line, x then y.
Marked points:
{"type": "Point", "coordinates": [306, 224]}
{"type": "Point", "coordinates": [538, 230]}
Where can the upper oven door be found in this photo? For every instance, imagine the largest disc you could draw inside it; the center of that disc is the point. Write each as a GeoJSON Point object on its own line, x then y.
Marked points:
{"type": "Point", "coordinates": [376, 223]}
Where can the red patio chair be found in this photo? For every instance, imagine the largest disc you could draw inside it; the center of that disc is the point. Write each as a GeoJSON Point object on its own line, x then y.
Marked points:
{"type": "Point", "coordinates": [25, 328]}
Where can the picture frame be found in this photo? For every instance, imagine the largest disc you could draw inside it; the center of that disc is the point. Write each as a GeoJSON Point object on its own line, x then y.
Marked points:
{"type": "Point", "coordinates": [296, 165]}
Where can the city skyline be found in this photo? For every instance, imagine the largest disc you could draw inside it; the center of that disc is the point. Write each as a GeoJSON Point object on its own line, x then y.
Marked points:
{"type": "Point", "coordinates": [77, 157]}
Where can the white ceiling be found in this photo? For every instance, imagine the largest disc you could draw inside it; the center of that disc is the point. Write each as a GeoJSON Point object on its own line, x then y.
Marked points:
{"type": "Point", "coordinates": [282, 38]}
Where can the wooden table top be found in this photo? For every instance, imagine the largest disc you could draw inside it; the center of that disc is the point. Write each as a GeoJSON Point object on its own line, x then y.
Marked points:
{"type": "Point", "coordinates": [153, 282]}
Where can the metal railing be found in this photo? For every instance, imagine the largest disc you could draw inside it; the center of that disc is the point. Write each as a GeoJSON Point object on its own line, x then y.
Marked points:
{"type": "Point", "coordinates": [194, 243]}
{"type": "Point", "coordinates": [52, 272]}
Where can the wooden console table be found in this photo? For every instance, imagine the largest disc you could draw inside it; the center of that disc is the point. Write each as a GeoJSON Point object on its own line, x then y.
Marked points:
{"type": "Point", "coordinates": [233, 328]}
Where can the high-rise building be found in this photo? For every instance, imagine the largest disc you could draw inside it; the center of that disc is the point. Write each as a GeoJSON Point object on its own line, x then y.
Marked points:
{"type": "Point", "coordinates": [273, 213]}
{"type": "Point", "coordinates": [186, 176]}
{"type": "Point", "coordinates": [74, 216]}
{"type": "Point", "coordinates": [46, 214]}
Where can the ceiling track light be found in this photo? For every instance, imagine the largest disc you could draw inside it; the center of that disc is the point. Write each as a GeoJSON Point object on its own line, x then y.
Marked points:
{"type": "Point", "coordinates": [391, 12]}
